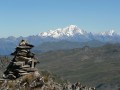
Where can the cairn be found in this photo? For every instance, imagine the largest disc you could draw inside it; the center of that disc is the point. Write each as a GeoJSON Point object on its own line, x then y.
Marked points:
{"type": "Point", "coordinates": [23, 63]}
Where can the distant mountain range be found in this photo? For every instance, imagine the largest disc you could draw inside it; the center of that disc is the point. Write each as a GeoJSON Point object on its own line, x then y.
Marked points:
{"type": "Point", "coordinates": [65, 38]}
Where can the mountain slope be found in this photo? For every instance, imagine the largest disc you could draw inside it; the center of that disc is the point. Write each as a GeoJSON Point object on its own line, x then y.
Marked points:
{"type": "Point", "coordinates": [98, 66]}
{"type": "Point", "coordinates": [93, 66]}
{"type": "Point", "coordinates": [65, 45]}
{"type": "Point", "coordinates": [61, 33]}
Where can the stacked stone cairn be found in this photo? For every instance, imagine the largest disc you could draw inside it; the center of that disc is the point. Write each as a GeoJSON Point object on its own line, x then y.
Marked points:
{"type": "Point", "coordinates": [23, 62]}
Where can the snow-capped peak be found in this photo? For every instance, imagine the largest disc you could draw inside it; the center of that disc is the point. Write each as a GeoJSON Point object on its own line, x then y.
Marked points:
{"type": "Point", "coordinates": [74, 30]}
{"type": "Point", "coordinates": [72, 27]}
{"type": "Point", "coordinates": [109, 33]}
{"type": "Point", "coordinates": [68, 31]}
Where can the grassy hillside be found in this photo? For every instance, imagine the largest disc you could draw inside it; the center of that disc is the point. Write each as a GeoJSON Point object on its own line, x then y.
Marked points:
{"type": "Point", "coordinates": [98, 66]}
{"type": "Point", "coordinates": [4, 61]}
{"type": "Point", "coordinates": [92, 66]}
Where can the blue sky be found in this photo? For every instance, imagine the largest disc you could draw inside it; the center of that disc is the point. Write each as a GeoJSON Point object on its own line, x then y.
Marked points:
{"type": "Point", "coordinates": [30, 17]}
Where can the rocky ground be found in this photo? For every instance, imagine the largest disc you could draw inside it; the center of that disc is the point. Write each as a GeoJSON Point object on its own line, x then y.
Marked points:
{"type": "Point", "coordinates": [42, 81]}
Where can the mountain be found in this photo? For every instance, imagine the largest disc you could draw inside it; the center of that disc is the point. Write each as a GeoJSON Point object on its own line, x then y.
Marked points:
{"type": "Point", "coordinates": [65, 45]}
{"type": "Point", "coordinates": [74, 33]}
{"type": "Point", "coordinates": [109, 33]}
{"type": "Point", "coordinates": [98, 66]}
{"type": "Point", "coordinates": [71, 34]}
{"type": "Point", "coordinates": [70, 31]}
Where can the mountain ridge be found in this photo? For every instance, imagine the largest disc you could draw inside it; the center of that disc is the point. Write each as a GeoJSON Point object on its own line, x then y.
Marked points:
{"type": "Point", "coordinates": [72, 30]}
{"type": "Point", "coordinates": [92, 66]}
{"type": "Point", "coordinates": [70, 33]}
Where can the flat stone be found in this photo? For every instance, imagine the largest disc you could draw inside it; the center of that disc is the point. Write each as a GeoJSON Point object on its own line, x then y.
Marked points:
{"type": "Point", "coordinates": [19, 63]}
{"type": "Point", "coordinates": [24, 50]}
{"type": "Point", "coordinates": [23, 47]}
{"type": "Point", "coordinates": [20, 71]}
{"type": "Point", "coordinates": [29, 45]}
{"type": "Point", "coordinates": [30, 69]}
{"type": "Point", "coordinates": [26, 66]}
{"type": "Point", "coordinates": [11, 76]}
{"type": "Point", "coordinates": [21, 54]}
{"type": "Point", "coordinates": [10, 72]}
{"type": "Point", "coordinates": [22, 74]}
{"type": "Point", "coordinates": [22, 58]}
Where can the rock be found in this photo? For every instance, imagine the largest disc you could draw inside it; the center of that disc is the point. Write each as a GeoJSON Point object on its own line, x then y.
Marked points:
{"type": "Point", "coordinates": [30, 69]}
{"type": "Point", "coordinates": [25, 66]}
{"type": "Point", "coordinates": [23, 47]}
{"type": "Point", "coordinates": [25, 43]}
{"type": "Point", "coordinates": [19, 63]}
{"type": "Point", "coordinates": [22, 74]}
{"type": "Point", "coordinates": [23, 62]}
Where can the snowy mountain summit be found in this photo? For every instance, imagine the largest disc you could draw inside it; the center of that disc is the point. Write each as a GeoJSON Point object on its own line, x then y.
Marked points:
{"type": "Point", "coordinates": [67, 35]}
{"type": "Point", "coordinates": [73, 31]}
{"type": "Point", "coordinates": [109, 33]}
{"type": "Point", "coordinates": [61, 32]}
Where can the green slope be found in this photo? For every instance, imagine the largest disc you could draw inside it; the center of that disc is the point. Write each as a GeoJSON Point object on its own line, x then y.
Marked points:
{"type": "Point", "coordinates": [91, 66]}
